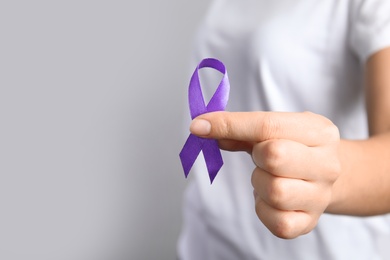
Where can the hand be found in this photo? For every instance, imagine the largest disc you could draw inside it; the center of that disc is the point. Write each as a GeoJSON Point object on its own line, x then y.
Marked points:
{"type": "Point", "coordinates": [296, 157]}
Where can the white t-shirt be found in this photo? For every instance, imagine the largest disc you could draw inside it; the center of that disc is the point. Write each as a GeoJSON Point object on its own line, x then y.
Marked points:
{"type": "Point", "coordinates": [285, 56]}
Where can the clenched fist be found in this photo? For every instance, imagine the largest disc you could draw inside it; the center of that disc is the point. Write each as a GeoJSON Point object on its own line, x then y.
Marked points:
{"type": "Point", "coordinates": [297, 162]}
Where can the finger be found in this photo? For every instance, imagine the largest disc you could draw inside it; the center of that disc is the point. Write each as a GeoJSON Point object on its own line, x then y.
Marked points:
{"type": "Point", "coordinates": [284, 224]}
{"type": "Point", "coordinates": [286, 158]}
{"type": "Point", "coordinates": [235, 146]}
{"type": "Point", "coordinates": [287, 193]}
{"type": "Point", "coordinates": [307, 128]}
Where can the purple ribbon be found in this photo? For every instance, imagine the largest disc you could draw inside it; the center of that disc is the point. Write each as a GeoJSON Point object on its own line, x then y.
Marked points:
{"type": "Point", "coordinates": [218, 101]}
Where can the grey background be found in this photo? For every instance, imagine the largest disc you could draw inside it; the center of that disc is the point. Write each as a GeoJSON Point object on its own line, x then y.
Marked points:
{"type": "Point", "coordinates": [91, 98]}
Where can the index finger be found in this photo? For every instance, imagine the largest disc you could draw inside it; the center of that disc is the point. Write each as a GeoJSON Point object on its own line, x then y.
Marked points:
{"type": "Point", "coordinates": [306, 127]}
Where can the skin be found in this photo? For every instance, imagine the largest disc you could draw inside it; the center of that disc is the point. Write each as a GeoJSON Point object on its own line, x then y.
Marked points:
{"type": "Point", "coordinates": [302, 167]}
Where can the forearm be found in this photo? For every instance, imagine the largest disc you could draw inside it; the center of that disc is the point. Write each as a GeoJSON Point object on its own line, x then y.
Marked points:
{"type": "Point", "coordinates": [363, 188]}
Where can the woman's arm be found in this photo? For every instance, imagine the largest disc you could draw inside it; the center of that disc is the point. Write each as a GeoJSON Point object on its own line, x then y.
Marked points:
{"type": "Point", "coordinates": [363, 188]}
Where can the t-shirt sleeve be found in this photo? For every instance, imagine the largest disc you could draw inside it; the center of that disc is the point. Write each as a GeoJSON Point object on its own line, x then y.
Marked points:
{"type": "Point", "coordinates": [370, 27]}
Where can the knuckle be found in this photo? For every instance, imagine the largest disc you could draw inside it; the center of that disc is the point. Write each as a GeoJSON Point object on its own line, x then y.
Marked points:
{"type": "Point", "coordinates": [285, 228]}
{"type": "Point", "coordinates": [255, 178]}
{"type": "Point", "coordinates": [334, 170]}
{"type": "Point", "coordinates": [330, 132]}
{"type": "Point", "coordinates": [277, 193]}
{"type": "Point", "coordinates": [226, 127]}
{"type": "Point", "coordinates": [327, 130]}
{"type": "Point", "coordinates": [274, 153]}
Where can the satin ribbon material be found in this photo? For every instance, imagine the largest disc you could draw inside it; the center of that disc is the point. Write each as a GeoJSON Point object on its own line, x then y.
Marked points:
{"type": "Point", "coordinates": [218, 101]}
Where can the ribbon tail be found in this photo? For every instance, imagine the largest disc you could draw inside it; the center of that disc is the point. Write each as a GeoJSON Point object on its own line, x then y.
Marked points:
{"type": "Point", "coordinates": [213, 158]}
{"type": "Point", "coordinates": [190, 152]}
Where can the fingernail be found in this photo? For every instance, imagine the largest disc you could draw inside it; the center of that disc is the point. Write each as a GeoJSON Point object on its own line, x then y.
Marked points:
{"type": "Point", "coordinates": [200, 127]}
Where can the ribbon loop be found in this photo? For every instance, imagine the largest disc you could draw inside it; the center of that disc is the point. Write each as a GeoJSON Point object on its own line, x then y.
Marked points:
{"type": "Point", "coordinates": [218, 102]}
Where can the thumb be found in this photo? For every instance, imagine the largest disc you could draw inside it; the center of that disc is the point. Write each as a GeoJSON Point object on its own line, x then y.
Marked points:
{"type": "Point", "coordinates": [238, 126]}
{"type": "Point", "coordinates": [307, 128]}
